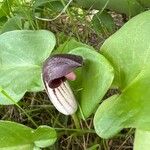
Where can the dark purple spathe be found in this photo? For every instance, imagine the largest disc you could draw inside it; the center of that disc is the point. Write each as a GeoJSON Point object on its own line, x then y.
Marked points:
{"type": "Point", "coordinates": [56, 67]}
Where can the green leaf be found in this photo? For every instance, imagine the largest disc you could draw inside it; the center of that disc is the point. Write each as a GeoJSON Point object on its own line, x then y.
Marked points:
{"type": "Point", "coordinates": [94, 147]}
{"type": "Point", "coordinates": [142, 139]}
{"type": "Point", "coordinates": [103, 23]}
{"type": "Point", "coordinates": [21, 56]}
{"type": "Point", "coordinates": [43, 138]}
{"type": "Point", "coordinates": [129, 7]}
{"type": "Point", "coordinates": [1, 89]}
{"type": "Point", "coordinates": [15, 136]}
{"type": "Point", "coordinates": [93, 80]}
{"type": "Point", "coordinates": [53, 5]}
{"type": "Point", "coordinates": [128, 50]}
{"type": "Point", "coordinates": [5, 8]}
{"type": "Point", "coordinates": [2, 22]}
{"type": "Point", "coordinates": [145, 3]}
{"type": "Point", "coordinates": [38, 3]}
{"type": "Point", "coordinates": [70, 44]}
{"type": "Point", "coordinates": [14, 23]}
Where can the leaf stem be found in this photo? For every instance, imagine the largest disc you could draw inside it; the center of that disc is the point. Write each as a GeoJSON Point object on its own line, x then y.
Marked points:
{"type": "Point", "coordinates": [76, 130]}
{"type": "Point", "coordinates": [76, 121]}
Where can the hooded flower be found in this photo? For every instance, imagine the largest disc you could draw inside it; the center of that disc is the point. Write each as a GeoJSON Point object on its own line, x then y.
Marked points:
{"type": "Point", "coordinates": [56, 70]}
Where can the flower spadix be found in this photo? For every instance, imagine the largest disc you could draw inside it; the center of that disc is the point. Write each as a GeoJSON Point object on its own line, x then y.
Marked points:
{"type": "Point", "coordinates": [56, 71]}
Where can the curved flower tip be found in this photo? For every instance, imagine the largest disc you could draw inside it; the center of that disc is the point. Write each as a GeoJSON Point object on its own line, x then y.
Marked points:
{"type": "Point", "coordinates": [56, 70]}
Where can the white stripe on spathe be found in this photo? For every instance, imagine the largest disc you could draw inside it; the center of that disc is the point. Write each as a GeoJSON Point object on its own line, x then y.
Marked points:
{"type": "Point", "coordinates": [62, 98]}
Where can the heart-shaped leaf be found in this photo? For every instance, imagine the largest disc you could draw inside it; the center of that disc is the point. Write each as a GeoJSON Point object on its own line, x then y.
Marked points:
{"type": "Point", "coordinates": [21, 56]}
{"type": "Point", "coordinates": [129, 52]}
{"type": "Point", "coordinates": [15, 136]}
{"type": "Point", "coordinates": [93, 80]}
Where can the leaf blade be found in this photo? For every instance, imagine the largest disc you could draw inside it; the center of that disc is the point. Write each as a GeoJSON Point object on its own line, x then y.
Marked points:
{"type": "Point", "coordinates": [96, 73]}
{"type": "Point", "coordinates": [15, 136]}
{"type": "Point", "coordinates": [22, 54]}
{"type": "Point", "coordinates": [130, 58]}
